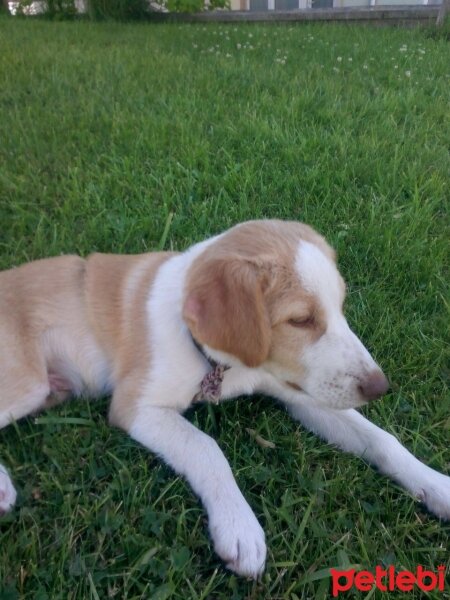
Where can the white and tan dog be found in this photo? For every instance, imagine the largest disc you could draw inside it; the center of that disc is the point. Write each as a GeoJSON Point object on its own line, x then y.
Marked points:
{"type": "Point", "coordinates": [257, 309]}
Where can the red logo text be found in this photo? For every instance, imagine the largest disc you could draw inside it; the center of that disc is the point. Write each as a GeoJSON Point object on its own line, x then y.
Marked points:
{"type": "Point", "coordinates": [387, 580]}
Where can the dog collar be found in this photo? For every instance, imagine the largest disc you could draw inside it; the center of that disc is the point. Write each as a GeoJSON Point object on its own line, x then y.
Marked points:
{"type": "Point", "coordinates": [211, 384]}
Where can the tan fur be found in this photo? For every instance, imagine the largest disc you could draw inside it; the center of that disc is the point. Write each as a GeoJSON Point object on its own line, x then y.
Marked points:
{"type": "Point", "coordinates": [90, 315]}
{"type": "Point", "coordinates": [34, 299]}
{"type": "Point", "coordinates": [242, 293]}
{"type": "Point", "coordinates": [117, 288]}
{"type": "Point", "coordinates": [64, 308]}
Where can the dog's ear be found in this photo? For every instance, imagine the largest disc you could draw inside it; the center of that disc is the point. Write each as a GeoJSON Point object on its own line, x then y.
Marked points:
{"type": "Point", "coordinates": [224, 308]}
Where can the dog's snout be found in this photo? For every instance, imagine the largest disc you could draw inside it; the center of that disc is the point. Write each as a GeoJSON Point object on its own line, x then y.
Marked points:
{"type": "Point", "coordinates": [374, 385]}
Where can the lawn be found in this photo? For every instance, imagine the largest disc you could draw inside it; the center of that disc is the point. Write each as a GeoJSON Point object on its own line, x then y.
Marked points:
{"type": "Point", "coordinates": [108, 134]}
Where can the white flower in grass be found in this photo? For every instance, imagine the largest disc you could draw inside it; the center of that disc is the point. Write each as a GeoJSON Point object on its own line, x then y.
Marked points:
{"type": "Point", "coordinates": [408, 73]}
{"type": "Point", "coordinates": [365, 67]}
{"type": "Point", "coordinates": [339, 59]}
{"type": "Point", "coordinates": [228, 55]}
{"type": "Point", "coordinates": [350, 59]}
{"type": "Point", "coordinates": [335, 69]}
{"type": "Point", "coordinates": [395, 66]}
{"type": "Point", "coordinates": [238, 46]}
{"type": "Point", "coordinates": [195, 45]}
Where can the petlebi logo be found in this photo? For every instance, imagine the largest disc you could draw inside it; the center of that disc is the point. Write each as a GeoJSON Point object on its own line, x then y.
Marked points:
{"type": "Point", "coordinates": [387, 580]}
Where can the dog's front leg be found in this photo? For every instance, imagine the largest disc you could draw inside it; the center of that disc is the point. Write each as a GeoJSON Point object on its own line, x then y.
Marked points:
{"type": "Point", "coordinates": [352, 432]}
{"type": "Point", "coordinates": [237, 535]}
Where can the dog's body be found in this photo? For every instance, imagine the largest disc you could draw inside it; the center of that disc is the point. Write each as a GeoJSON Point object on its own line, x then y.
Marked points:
{"type": "Point", "coordinates": [265, 299]}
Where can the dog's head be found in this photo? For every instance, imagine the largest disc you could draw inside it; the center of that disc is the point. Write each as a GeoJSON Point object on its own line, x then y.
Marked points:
{"type": "Point", "coordinates": [267, 294]}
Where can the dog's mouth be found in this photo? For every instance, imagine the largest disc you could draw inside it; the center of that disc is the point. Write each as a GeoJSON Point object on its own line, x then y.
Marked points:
{"type": "Point", "coordinates": [294, 386]}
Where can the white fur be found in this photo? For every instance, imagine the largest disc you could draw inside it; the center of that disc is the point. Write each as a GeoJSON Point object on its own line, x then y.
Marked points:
{"type": "Point", "coordinates": [7, 491]}
{"type": "Point", "coordinates": [76, 356]}
{"type": "Point", "coordinates": [334, 364]}
{"type": "Point", "coordinates": [178, 369]}
{"type": "Point", "coordinates": [237, 535]}
{"type": "Point", "coordinates": [352, 432]}
{"type": "Point", "coordinates": [337, 362]}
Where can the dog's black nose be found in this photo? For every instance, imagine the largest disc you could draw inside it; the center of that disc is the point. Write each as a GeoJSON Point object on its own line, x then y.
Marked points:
{"type": "Point", "coordinates": [374, 385]}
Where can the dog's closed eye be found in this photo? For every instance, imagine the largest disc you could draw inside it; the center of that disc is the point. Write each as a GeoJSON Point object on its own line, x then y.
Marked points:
{"type": "Point", "coordinates": [307, 321]}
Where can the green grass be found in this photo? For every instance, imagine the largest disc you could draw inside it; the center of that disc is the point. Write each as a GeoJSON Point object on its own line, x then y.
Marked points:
{"type": "Point", "coordinates": [105, 131]}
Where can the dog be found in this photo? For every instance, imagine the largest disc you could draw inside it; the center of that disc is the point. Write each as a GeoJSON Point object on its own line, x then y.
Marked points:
{"type": "Point", "coordinates": [257, 309]}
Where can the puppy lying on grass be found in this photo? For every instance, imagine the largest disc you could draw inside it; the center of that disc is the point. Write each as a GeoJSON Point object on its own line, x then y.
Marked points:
{"type": "Point", "coordinates": [257, 309]}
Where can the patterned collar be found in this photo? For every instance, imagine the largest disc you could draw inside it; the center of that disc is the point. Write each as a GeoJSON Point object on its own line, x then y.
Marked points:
{"type": "Point", "coordinates": [211, 384]}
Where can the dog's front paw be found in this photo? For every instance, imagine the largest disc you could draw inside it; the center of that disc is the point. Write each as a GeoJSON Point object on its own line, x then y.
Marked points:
{"type": "Point", "coordinates": [435, 494]}
{"type": "Point", "coordinates": [7, 491]}
{"type": "Point", "coordinates": [238, 537]}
